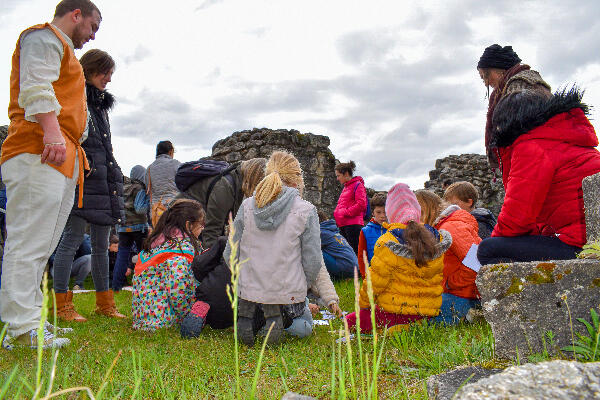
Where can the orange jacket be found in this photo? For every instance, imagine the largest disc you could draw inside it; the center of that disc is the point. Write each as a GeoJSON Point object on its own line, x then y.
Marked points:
{"type": "Point", "coordinates": [27, 137]}
{"type": "Point", "coordinates": [459, 279]}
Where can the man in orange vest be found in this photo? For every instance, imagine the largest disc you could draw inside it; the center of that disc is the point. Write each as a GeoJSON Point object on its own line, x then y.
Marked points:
{"type": "Point", "coordinates": [42, 160]}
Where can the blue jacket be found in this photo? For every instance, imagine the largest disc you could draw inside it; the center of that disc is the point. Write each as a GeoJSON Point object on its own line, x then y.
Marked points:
{"type": "Point", "coordinates": [372, 232]}
{"type": "Point", "coordinates": [334, 244]}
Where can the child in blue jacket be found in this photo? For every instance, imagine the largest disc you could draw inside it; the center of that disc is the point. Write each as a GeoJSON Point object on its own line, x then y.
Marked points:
{"type": "Point", "coordinates": [373, 231]}
{"type": "Point", "coordinates": [340, 259]}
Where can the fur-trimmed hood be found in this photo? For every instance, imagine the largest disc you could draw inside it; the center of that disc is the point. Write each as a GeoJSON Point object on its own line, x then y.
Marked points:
{"type": "Point", "coordinates": [101, 98]}
{"type": "Point", "coordinates": [401, 248]}
{"type": "Point", "coordinates": [522, 112]}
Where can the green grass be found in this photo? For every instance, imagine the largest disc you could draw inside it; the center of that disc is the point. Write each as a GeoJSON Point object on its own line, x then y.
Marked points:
{"type": "Point", "coordinates": [204, 368]}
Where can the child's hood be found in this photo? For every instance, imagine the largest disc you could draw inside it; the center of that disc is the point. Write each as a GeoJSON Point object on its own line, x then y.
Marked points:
{"type": "Point", "coordinates": [400, 248]}
{"type": "Point", "coordinates": [330, 226]}
{"type": "Point", "coordinates": [138, 173]}
{"type": "Point", "coordinates": [273, 214]}
{"type": "Point", "coordinates": [457, 214]}
{"type": "Point", "coordinates": [483, 213]}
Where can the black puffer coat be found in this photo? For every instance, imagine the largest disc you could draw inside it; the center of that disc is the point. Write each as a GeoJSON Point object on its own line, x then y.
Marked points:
{"type": "Point", "coordinates": [214, 275]}
{"type": "Point", "coordinates": [103, 185]}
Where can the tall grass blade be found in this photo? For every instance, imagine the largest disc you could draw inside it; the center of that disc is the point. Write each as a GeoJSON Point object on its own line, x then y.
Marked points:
{"type": "Point", "coordinates": [8, 381]}
{"type": "Point", "coordinates": [259, 363]}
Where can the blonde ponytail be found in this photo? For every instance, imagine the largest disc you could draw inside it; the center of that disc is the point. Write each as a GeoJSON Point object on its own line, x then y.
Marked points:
{"type": "Point", "coordinates": [282, 169]}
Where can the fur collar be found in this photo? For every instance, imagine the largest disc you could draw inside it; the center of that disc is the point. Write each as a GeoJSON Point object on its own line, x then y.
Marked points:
{"type": "Point", "coordinates": [520, 112]}
{"type": "Point", "coordinates": [402, 250]}
{"type": "Point", "coordinates": [99, 98]}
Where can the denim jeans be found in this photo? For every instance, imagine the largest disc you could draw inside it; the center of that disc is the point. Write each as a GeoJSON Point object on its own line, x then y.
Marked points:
{"type": "Point", "coordinates": [454, 309]}
{"type": "Point", "coordinates": [80, 270]}
{"type": "Point", "coordinates": [126, 241]}
{"type": "Point", "coordinates": [335, 270]}
{"type": "Point", "coordinates": [72, 238]}
{"type": "Point", "coordinates": [495, 250]}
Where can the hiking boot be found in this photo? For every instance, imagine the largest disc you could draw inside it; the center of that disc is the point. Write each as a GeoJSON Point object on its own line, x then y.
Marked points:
{"type": "Point", "coordinates": [192, 324]}
{"type": "Point", "coordinates": [245, 323]}
{"type": "Point", "coordinates": [275, 320]}
{"type": "Point", "coordinates": [65, 310]}
{"type": "Point", "coordinates": [30, 340]}
{"type": "Point", "coordinates": [60, 331]}
{"type": "Point", "coordinates": [105, 305]}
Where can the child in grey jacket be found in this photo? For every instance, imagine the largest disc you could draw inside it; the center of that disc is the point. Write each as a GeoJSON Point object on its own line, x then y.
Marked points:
{"type": "Point", "coordinates": [280, 248]}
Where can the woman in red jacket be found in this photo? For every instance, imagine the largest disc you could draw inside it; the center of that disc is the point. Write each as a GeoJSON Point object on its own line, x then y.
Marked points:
{"type": "Point", "coordinates": [352, 204]}
{"type": "Point", "coordinates": [545, 148]}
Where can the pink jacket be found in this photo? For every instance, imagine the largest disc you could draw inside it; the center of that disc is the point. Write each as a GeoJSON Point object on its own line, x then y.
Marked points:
{"type": "Point", "coordinates": [352, 203]}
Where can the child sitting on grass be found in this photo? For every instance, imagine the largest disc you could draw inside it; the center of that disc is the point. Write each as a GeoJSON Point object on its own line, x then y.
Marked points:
{"type": "Point", "coordinates": [464, 195]}
{"type": "Point", "coordinates": [406, 269]}
{"type": "Point", "coordinates": [163, 282]}
{"type": "Point", "coordinates": [460, 292]}
{"type": "Point", "coordinates": [373, 231]}
{"type": "Point", "coordinates": [340, 259]}
{"type": "Point", "coordinates": [279, 247]}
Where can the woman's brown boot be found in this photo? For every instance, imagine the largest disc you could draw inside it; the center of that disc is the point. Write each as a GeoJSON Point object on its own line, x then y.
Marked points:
{"type": "Point", "coordinates": [105, 305]}
{"type": "Point", "coordinates": [65, 310]}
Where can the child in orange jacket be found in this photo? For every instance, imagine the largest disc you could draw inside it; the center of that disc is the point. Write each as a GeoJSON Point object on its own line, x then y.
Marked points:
{"type": "Point", "coordinates": [460, 292]}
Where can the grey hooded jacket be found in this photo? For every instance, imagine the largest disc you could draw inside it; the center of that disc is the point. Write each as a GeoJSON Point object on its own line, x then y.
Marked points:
{"type": "Point", "coordinates": [279, 247]}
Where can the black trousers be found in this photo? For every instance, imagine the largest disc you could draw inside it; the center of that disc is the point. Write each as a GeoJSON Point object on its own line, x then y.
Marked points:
{"type": "Point", "coordinates": [351, 233]}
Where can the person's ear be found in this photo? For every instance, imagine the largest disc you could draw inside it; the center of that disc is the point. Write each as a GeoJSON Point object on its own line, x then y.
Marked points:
{"type": "Point", "coordinates": [76, 15]}
{"type": "Point", "coordinates": [471, 203]}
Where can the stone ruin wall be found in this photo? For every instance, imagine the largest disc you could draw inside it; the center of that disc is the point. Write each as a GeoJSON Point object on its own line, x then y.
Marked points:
{"type": "Point", "coordinates": [312, 151]}
{"type": "Point", "coordinates": [473, 168]}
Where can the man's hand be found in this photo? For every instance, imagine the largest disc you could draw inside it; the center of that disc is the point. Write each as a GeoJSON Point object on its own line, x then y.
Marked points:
{"type": "Point", "coordinates": [335, 308]}
{"type": "Point", "coordinates": [55, 151]}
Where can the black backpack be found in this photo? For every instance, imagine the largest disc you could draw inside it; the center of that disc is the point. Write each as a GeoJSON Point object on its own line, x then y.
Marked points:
{"type": "Point", "coordinates": [190, 172]}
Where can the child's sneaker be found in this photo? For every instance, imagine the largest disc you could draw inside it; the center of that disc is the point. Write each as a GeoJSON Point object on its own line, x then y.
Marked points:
{"type": "Point", "coordinates": [29, 339]}
{"type": "Point", "coordinates": [273, 318]}
{"type": "Point", "coordinates": [245, 322]}
{"type": "Point", "coordinates": [192, 324]}
{"type": "Point", "coordinates": [59, 331]}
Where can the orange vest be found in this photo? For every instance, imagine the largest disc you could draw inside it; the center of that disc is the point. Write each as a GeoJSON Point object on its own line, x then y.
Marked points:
{"type": "Point", "coordinates": [27, 137]}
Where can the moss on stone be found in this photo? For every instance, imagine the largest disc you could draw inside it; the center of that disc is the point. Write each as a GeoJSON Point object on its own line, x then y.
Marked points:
{"type": "Point", "coordinates": [515, 287]}
{"type": "Point", "coordinates": [568, 271]}
{"type": "Point", "coordinates": [499, 267]}
{"type": "Point", "coordinates": [544, 276]}
{"type": "Point", "coordinates": [596, 282]}
{"type": "Point", "coordinates": [546, 267]}
{"type": "Point", "coordinates": [559, 276]}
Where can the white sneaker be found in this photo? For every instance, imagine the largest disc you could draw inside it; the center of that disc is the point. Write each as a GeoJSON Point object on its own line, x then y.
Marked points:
{"type": "Point", "coordinates": [60, 331]}
{"type": "Point", "coordinates": [29, 339]}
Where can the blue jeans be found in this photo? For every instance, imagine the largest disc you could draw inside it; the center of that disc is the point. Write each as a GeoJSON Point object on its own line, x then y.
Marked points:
{"type": "Point", "coordinates": [123, 261]}
{"type": "Point", "coordinates": [80, 270]}
{"type": "Point", "coordinates": [454, 309]}
{"type": "Point", "coordinates": [495, 250]}
{"type": "Point", "coordinates": [337, 271]}
{"type": "Point", "coordinates": [301, 326]}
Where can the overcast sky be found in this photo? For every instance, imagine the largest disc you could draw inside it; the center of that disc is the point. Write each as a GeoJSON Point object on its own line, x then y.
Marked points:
{"type": "Point", "coordinates": [392, 83]}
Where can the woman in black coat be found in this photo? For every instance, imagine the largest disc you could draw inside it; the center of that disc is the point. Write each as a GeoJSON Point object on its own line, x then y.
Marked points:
{"type": "Point", "coordinates": [102, 196]}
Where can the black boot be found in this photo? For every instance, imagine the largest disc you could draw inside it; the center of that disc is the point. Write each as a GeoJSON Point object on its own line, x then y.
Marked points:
{"type": "Point", "coordinates": [273, 318]}
{"type": "Point", "coordinates": [245, 325]}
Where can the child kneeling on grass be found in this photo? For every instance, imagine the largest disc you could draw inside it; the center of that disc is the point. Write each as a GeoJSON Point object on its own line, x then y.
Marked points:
{"type": "Point", "coordinates": [460, 293]}
{"type": "Point", "coordinates": [406, 268]}
{"type": "Point", "coordinates": [279, 248]}
{"type": "Point", "coordinates": [163, 282]}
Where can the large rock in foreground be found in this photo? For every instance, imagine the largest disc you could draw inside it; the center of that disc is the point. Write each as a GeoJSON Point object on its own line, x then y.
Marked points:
{"type": "Point", "coordinates": [548, 380]}
{"type": "Point", "coordinates": [444, 386]}
{"type": "Point", "coordinates": [523, 302]}
{"type": "Point", "coordinates": [591, 199]}
{"type": "Point", "coordinates": [317, 161]}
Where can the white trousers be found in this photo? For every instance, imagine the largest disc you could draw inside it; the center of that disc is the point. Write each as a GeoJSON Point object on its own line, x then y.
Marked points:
{"type": "Point", "coordinates": [39, 201]}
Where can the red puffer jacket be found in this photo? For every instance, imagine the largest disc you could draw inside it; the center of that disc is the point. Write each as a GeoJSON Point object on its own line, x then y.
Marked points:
{"type": "Point", "coordinates": [352, 203]}
{"type": "Point", "coordinates": [459, 279]}
{"type": "Point", "coordinates": [542, 172]}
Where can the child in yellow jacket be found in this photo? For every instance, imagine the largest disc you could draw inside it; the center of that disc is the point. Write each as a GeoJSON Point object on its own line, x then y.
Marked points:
{"type": "Point", "coordinates": [406, 268]}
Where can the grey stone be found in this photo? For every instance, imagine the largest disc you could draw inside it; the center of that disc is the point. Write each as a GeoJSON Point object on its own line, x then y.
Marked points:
{"type": "Point", "coordinates": [591, 200]}
{"type": "Point", "coordinates": [522, 302]}
{"type": "Point", "coordinates": [547, 380]}
{"type": "Point", "coordinates": [444, 386]}
{"type": "Point", "coordinates": [296, 396]}
{"type": "Point", "coordinates": [472, 168]}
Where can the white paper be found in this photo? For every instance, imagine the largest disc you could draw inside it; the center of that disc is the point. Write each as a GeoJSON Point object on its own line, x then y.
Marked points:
{"type": "Point", "coordinates": [471, 260]}
{"type": "Point", "coordinates": [320, 322]}
{"type": "Point", "coordinates": [343, 338]}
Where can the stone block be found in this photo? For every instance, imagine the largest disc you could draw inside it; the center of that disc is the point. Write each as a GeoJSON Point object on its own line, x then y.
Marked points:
{"type": "Point", "coordinates": [444, 386]}
{"type": "Point", "coordinates": [524, 301]}
{"type": "Point", "coordinates": [548, 380]}
{"type": "Point", "coordinates": [591, 200]}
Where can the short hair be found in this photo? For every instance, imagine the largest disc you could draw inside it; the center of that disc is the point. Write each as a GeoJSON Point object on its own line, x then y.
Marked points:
{"type": "Point", "coordinates": [96, 61]}
{"type": "Point", "coordinates": [378, 200]}
{"type": "Point", "coordinates": [114, 239]}
{"type": "Point", "coordinates": [463, 191]}
{"type": "Point", "coordinates": [322, 216]}
{"type": "Point", "coordinates": [66, 6]}
{"type": "Point", "coordinates": [164, 147]}
{"type": "Point", "coordinates": [348, 167]}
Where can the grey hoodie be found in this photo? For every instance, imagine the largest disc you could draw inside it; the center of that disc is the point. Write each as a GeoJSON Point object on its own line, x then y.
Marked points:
{"type": "Point", "coordinates": [280, 248]}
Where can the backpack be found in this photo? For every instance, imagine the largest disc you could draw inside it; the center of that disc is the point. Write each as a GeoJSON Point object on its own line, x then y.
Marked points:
{"type": "Point", "coordinates": [193, 171]}
{"type": "Point", "coordinates": [367, 214]}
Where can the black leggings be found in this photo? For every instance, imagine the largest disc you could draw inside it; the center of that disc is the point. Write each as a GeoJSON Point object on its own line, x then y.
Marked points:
{"type": "Point", "coordinates": [497, 250]}
{"type": "Point", "coordinates": [351, 233]}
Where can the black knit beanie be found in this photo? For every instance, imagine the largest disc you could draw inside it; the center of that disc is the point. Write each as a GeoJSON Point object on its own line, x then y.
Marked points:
{"type": "Point", "coordinates": [500, 57]}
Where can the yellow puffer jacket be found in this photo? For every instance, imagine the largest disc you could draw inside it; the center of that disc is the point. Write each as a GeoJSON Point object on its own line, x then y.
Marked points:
{"type": "Point", "coordinates": [399, 286]}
